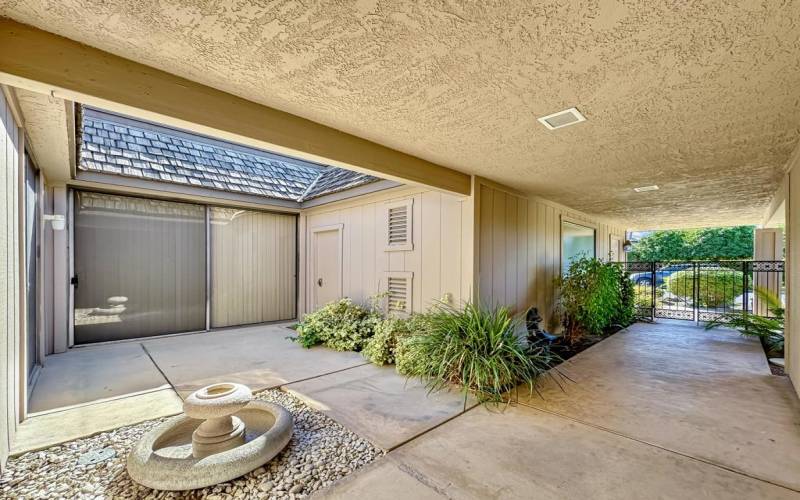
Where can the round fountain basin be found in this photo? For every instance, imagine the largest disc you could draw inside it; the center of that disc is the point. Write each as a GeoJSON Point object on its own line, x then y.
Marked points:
{"type": "Point", "coordinates": [163, 459]}
{"type": "Point", "coordinates": [217, 400]}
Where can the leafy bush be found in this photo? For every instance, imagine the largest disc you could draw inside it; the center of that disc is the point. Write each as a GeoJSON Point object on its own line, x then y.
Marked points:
{"type": "Point", "coordinates": [716, 287]}
{"type": "Point", "coordinates": [475, 348]}
{"type": "Point", "coordinates": [770, 330]}
{"type": "Point", "coordinates": [591, 297]}
{"type": "Point", "coordinates": [405, 355]}
{"type": "Point", "coordinates": [626, 314]}
{"type": "Point", "coordinates": [342, 325]}
{"type": "Point", "coordinates": [644, 297]}
{"type": "Point", "coordinates": [382, 347]}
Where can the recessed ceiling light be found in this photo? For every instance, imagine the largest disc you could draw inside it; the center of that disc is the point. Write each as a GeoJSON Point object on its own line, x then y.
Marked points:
{"type": "Point", "coordinates": [561, 119]}
{"type": "Point", "coordinates": [646, 188]}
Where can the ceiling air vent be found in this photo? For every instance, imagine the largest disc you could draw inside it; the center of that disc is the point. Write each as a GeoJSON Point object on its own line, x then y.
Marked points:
{"type": "Point", "coordinates": [562, 119]}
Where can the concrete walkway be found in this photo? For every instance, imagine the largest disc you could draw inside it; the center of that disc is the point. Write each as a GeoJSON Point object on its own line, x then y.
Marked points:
{"type": "Point", "coordinates": [92, 389]}
{"type": "Point", "coordinates": [658, 411]}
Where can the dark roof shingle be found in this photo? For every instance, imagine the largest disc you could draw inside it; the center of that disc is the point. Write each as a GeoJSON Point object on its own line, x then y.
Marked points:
{"type": "Point", "coordinates": [121, 146]}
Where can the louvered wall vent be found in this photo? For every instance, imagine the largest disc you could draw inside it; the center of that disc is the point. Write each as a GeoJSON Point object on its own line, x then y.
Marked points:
{"type": "Point", "coordinates": [399, 225]}
{"type": "Point", "coordinates": [561, 119]}
{"type": "Point", "coordinates": [398, 292]}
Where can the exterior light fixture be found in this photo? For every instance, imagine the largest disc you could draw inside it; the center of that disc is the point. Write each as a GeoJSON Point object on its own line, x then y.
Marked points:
{"type": "Point", "coordinates": [626, 246]}
{"type": "Point", "coordinates": [56, 220]}
{"type": "Point", "coordinates": [646, 188]}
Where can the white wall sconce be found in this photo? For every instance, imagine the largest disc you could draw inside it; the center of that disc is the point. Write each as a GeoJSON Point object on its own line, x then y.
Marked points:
{"type": "Point", "coordinates": [58, 222]}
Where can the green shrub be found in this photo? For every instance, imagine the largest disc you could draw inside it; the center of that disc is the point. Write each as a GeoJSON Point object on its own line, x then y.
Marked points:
{"type": "Point", "coordinates": [626, 314]}
{"type": "Point", "coordinates": [342, 325]}
{"type": "Point", "coordinates": [307, 337]}
{"type": "Point", "coordinates": [716, 287]}
{"type": "Point", "coordinates": [405, 358]}
{"type": "Point", "coordinates": [381, 348]}
{"type": "Point", "coordinates": [770, 330]}
{"type": "Point", "coordinates": [644, 296]}
{"type": "Point", "coordinates": [386, 346]}
{"type": "Point", "coordinates": [591, 297]}
{"type": "Point", "coordinates": [475, 348]}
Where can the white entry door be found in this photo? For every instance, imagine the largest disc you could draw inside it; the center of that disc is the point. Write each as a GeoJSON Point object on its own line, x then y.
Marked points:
{"type": "Point", "coordinates": [326, 272]}
{"type": "Point", "coordinates": [615, 253]}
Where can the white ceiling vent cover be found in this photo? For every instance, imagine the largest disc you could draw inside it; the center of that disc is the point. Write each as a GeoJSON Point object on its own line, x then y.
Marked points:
{"type": "Point", "coordinates": [562, 119]}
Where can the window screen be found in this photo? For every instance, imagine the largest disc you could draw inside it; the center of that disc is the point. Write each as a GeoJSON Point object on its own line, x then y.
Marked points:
{"type": "Point", "coordinates": [140, 266]}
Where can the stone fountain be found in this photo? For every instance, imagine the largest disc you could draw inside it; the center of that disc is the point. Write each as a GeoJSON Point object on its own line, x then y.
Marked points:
{"type": "Point", "coordinates": [223, 434]}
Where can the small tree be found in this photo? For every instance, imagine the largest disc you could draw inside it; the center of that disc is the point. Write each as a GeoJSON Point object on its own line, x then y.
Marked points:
{"type": "Point", "coordinates": [592, 298]}
{"type": "Point", "coordinates": [714, 243]}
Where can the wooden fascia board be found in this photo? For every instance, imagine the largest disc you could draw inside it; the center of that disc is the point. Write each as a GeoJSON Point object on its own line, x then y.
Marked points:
{"type": "Point", "coordinates": [44, 62]}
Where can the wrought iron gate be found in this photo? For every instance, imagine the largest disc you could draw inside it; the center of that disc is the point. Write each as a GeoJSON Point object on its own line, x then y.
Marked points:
{"type": "Point", "coordinates": [702, 291]}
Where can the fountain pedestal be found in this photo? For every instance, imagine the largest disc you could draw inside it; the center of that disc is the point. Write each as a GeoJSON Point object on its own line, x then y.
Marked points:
{"type": "Point", "coordinates": [216, 404]}
{"type": "Point", "coordinates": [223, 434]}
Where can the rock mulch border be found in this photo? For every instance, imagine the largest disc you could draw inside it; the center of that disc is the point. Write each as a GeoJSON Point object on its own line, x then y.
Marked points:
{"type": "Point", "coordinates": [321, 452]}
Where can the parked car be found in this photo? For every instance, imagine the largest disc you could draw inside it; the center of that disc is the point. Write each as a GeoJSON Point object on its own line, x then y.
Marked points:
{"type": "Point", "coordinates": [661, 275]}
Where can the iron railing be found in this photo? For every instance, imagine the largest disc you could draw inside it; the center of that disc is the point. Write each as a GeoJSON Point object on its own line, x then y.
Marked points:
{"type": "Point", "coordinates": [704, 291]}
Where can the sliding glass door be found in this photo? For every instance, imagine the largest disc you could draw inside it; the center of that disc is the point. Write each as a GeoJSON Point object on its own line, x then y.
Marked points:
{"type": "Point", "coordinates": [32, 224]}
{"type": "Point", "coordinates": [140, 267]}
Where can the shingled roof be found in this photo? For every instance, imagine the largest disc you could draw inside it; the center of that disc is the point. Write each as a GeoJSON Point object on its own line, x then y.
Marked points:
{"type": "Point", "coordinates": [111, 144]}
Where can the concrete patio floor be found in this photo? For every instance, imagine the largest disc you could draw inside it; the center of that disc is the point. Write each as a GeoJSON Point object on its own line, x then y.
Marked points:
{"type": "Point", "coordinates": [378, 404]}
{"type": "Point", "coordinates": [92, 389]}
{"type": "Point", "coordinates": [657, 411]}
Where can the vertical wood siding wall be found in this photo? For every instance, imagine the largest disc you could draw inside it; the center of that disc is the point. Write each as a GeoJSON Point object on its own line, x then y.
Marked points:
{"type": "Point", "coordinates": [253, 261]}
{"type": "Point", "coordinates": [10, 383]}
{"type": "Point", "coordinates": [520, 249]}
{"type": "Point", "coordinates": [792, 226]}
{"type": "Point", "coordinates": [440, 260]}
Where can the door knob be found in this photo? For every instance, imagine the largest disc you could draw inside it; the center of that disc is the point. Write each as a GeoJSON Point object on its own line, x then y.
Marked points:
{"type": "Point", "coordinates": [319, 282]}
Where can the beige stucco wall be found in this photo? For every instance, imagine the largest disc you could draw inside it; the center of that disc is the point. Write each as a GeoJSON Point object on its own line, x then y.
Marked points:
{"type": "Point", "coordinates": [519, 250]}
{"type": "Point", "coordinates": [10, 307]}
{"type": "Point", "coordinates": [440, 260]}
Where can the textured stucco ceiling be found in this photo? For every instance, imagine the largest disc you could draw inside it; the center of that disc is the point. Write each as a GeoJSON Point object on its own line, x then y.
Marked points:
{"type": "Point", "coordinates": [698, 97]}
{"type": "Point", "coordinates": [46, 128]}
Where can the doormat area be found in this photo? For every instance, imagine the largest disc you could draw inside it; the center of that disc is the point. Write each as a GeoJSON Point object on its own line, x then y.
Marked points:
{"type": "Point", "coordinates": [321, 452]}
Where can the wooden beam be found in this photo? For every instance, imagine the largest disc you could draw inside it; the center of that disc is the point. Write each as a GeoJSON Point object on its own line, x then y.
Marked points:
{"type": "Point", "coordinates": [44, 62]}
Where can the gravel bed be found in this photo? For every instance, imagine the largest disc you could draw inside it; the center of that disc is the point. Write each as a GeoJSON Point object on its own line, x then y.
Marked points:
{"type": "Point", "coordinates": [321, 451]}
